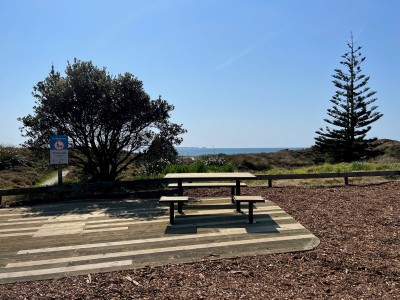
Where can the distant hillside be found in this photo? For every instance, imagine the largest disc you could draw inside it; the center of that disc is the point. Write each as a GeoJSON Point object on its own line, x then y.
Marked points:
{"type": "Point", "coordinates": [390, 149]}
{"type": "Point", "coordinates": [20, 168]}
{"type": "Point", "coordinates": [290, 159]}
{"type": "Point", "coordinates": [279, 159]}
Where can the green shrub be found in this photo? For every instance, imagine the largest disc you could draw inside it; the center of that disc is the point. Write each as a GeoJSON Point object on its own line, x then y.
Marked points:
{"type": "Point", "coordinates": [10, 157]}
{"type": "Point", "coordinates": [198, 167]}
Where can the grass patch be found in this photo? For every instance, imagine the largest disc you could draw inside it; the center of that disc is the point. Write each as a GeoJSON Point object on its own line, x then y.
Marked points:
{"type": "Point", "coordinates": [45, 178]}
{"type": "Point", "coordinates": [20, 167]}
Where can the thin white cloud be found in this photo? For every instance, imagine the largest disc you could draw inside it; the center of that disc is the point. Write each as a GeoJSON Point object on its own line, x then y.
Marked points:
{"type": "Point", "coordinates": [239, 56]}
{"type": "Point", "coordinates": [263, 40]}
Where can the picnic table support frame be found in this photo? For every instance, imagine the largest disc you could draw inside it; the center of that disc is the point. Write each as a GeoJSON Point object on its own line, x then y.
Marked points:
{"type": "Point", "coordinates": [171, 212]}
{"type": "Point", "coordinates": [251, 218]}
{"type": "Point", "coordinates": [180, 187]}
{"type": "Point", "coordinates": [171, 200]}
{"type": "Point", "coordinates": [232, 185]}
{"type": "Point", "coordinates": [250, 200]}
{"type": "Point", "coordinates": [237, 187]}
{"type": "Point", "coordinates": [251, 210]}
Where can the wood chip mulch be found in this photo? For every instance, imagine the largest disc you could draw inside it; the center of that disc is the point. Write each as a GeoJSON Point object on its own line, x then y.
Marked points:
{"type": "Point", "coordinates": [358, 258]}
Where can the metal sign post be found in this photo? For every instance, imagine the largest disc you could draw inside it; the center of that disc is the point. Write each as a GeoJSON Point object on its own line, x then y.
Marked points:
{"type": "Point", "coordinates": [59, 175]}
{"type": "Point", "coordinates": [59, 153]}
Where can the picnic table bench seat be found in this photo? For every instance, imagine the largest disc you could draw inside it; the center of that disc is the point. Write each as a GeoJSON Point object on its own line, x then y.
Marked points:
{"type": "Point", "coordinates": [250, 200]}
{"type": "Point", "coordinates": [172, 200]}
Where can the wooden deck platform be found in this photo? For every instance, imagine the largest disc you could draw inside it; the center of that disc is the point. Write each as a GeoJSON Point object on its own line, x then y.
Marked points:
{"type": "Point", "coordinates": [82, 237]}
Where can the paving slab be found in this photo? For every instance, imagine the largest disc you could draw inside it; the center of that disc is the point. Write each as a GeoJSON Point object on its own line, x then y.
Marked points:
{"type": "Point", "coordinates": [81, 237]}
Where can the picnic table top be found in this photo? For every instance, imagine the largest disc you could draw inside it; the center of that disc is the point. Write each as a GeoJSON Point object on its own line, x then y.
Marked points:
{"type": "Point", "coordinates": [210, 176]}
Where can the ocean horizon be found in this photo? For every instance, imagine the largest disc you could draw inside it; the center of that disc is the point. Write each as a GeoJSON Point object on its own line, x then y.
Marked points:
{"type": "Point", "coordinates": [198, 151]}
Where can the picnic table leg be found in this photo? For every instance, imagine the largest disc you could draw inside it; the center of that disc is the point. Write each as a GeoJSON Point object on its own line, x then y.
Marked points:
{"type": "Point", "coordinates": [237, 206]}
{"type": "Point", "coordinates": [180, 204]}
{"type": "Point", "coordinates": [237, 187]}
{"type": "Point", "coordinates": [180, 187]}
{"type": "Point", "coordinates": [233, 194]}
{"type": "Point", "coordinates": [251, 219]}
{"type": "Point", "coordinates": [171, 213]}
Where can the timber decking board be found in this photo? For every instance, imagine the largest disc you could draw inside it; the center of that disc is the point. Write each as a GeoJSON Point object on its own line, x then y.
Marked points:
{"type": "Point", "coordinates": [97, 236]}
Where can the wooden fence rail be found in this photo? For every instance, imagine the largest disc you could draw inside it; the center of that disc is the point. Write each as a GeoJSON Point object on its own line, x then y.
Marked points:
{"type": "Point", "coordinates": [107, 187]}
{"type": "Point", "coordinates": [344, 175]}
{"type": "Point", "coordinates": [102, 187]}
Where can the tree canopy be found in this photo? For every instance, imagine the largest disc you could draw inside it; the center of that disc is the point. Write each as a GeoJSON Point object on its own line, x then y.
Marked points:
{"type": "Point", "coordinates": [110, 120]}
{"type": "Point", "coordinates": [160, 153]}
{"type": "Point", "coordinates": [351, 115]}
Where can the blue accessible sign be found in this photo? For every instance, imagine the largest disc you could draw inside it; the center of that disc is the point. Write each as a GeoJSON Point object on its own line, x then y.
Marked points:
{"type": "Point", "coordinates": [59, 150]}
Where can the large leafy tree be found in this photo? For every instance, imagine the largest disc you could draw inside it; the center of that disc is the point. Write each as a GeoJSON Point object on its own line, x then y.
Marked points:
{"type": "Point", "coordinates": [160, 153]}
{"type": "Point", "coordinates": [352, 113]}
{"type": "Point", "coordinates": [110, 120]}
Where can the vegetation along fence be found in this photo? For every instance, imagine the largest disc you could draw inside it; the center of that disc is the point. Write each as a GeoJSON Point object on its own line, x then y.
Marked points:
{"type": "Point", "coordinates": [108, 187]}
{"type": "Point", "coordinates": [344, 175]}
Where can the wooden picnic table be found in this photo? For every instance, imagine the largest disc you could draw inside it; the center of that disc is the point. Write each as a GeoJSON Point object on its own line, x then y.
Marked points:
{"type": "Point", "coordinates": [179, 178]}
{"type": "Point", "coordinates": [190, 177]}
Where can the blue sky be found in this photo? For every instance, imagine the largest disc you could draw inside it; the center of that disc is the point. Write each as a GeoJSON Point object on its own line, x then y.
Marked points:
{"type": "Point", "coordinates": [241, 73]}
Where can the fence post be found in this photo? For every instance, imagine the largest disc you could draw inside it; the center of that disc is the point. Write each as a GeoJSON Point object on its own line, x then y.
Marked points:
{"type": "Point", "coordinates": [269, 182]}
{"type": "Point", "coordinates": [346, 180]}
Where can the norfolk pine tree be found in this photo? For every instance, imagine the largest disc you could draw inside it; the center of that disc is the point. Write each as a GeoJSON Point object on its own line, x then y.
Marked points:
{"type": "Point", "coordinates": [351, 115]}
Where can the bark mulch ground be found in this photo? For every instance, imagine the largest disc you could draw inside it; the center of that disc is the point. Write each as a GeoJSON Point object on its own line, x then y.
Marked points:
{"type": "Point", "coordinates": [358, 258]}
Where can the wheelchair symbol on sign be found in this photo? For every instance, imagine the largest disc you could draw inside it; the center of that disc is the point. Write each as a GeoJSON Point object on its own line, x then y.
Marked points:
{"type": "Point", "coordinates": [59, 145]}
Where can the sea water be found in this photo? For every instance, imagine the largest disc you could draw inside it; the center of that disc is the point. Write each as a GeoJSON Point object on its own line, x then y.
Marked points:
{"type": "Point", "coordinates": [197, 151]}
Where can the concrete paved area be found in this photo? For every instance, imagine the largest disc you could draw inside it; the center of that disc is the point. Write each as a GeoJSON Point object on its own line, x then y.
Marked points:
{"type": "Point", "coordinates": [81, 237]}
